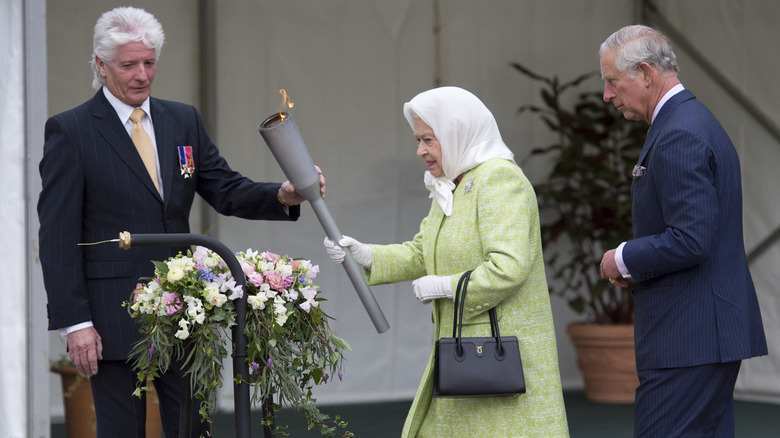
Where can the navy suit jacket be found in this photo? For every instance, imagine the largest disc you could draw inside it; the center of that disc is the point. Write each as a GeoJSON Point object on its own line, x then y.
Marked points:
{"type": "Point", "coordinates": [694, 297]}
{"type": "Point", "coordinates": [95, 185]}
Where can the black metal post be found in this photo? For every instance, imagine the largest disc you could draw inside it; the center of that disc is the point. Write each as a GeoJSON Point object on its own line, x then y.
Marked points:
{"type": "Point", "coordinates": [240, 367]}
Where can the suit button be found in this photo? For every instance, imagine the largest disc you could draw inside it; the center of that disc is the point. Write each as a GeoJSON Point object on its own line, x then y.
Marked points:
{"type": "Point", "coordinates": [470, 309]}
{"type": "Point", "coordinates": [479, 308]}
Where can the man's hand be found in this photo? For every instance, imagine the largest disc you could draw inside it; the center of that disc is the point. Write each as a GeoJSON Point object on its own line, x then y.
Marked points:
{"type": "Point", "coordinates": [288, 196]}
{"type": "Point", "coordinates": [85, 348]}
{"type": "Point", "coordinates": [610, 270]}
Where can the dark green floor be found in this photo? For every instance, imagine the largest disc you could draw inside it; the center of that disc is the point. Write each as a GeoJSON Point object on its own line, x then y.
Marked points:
{"type": "Point", "coordinates": [586, 420]}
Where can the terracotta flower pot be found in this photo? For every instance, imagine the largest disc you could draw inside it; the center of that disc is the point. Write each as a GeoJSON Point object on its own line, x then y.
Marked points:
{"type": "Point", "coordinates": [80, 419]}
{"type": "Point", "coordinates": [605, 354]}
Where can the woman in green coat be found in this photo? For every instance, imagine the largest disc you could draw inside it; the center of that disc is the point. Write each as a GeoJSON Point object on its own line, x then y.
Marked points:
{"type": "Point", "coordinates": [484, 217]}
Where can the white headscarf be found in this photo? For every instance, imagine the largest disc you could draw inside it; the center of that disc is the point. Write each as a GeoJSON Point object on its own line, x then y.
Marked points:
{"type": "Point", "coordinates": [466, 130]}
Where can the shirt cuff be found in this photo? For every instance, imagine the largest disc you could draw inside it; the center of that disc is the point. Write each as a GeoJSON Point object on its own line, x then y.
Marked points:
{"type": "Point", "coordinates": [64, 332]}
{"type": "Point", "coordinates": [619, 261]}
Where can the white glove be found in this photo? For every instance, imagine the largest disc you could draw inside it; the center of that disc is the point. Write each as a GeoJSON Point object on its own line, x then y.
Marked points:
{"type": "Point", "coordinates": [432, 287]}
{"type": "Point", "coordinates": [360, 251]}
{"type": "Point", "coordinates": [334, 251]}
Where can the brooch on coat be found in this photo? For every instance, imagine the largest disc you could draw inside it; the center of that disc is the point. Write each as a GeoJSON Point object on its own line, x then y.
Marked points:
{"type": "Point", "coordinates": [186, 163]}
{"type": "Point", "coordinates": [468, 186]}
{"type": "Point", "coordinates": [639, 171]}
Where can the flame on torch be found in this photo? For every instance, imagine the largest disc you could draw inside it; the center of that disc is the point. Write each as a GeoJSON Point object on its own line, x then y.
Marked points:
{"type": "Point", "coordinates": [286, 103]}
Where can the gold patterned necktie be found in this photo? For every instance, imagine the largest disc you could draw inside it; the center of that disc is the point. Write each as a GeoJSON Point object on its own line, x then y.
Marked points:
{"type": "Point", "coordinates": [143, 143]}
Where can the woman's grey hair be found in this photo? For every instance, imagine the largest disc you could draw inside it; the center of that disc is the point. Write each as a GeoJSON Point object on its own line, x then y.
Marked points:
{"type": "Point", "coordinates": [122, 26]}
{"type": "Point", "coordinates": [635, 44]}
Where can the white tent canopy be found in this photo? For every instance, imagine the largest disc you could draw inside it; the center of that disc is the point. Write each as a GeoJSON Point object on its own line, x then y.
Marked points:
{"type": "Point", "coordinates": [349, 67]}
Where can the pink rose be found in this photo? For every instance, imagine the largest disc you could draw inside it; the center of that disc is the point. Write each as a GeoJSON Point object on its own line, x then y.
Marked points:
{"type": "Point", "coordinates": [248, 267]}
{"type": "Point", "coordinates": [269, 256]}
{"type": "Point", "coordinates": [255, 278]}
{"type": "Point", "coordinates": [274, 279]}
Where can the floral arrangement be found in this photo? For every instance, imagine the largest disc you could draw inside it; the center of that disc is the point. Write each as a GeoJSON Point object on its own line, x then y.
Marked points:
{"type": "Point", "coordinates": [186, 310]}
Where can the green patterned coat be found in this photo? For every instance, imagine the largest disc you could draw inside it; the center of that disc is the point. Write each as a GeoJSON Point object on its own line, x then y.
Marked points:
{"type": "Point", "coordinates": [494, 230]}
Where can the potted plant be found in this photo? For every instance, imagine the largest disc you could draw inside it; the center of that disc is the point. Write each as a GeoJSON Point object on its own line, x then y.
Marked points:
{"type": "Point", "coordinates": [79, 406]}
{"type": "Point", "coordinates": [585, 206]}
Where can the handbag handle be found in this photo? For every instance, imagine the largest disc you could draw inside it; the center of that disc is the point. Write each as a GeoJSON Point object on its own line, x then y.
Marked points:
{"type": "Point", "coordinates": [457, 322]}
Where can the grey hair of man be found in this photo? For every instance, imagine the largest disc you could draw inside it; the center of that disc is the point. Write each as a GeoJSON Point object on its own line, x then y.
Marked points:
{"type": "Point", "coordinates": [121, 26]}
{"type": "Point", "coordinates": [636, 44]}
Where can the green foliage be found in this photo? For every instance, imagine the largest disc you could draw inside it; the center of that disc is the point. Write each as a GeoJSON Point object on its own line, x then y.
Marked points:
{"type": "Point", "coordinates": [585, 202]}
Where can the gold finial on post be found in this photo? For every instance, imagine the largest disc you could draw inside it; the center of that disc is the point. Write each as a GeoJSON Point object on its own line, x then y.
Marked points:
{"type": "Point", "coordinates": [124, 240]}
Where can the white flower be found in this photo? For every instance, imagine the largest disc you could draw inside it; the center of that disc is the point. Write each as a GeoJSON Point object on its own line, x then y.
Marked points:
{"type": "Point", "coordinates": [200, 318]}
{"type": "Point", "coordinates": [250, 254]}
{"type": "Point", "coordinates": [281, 319]}
{"type": "Point", "coordinates": [194, 306]}
{"type": "Point", "coordinates": [201, 253]}
{"type": "Point", "coordinates": [279, 305]}
{"type": "Point", "coordinates": [210, 288]}
{"type": "Point", "coordinates": [183, 323]}
{"type": "Point", "coordinates": [186, 264]}
{"type": "Point", "coordinates": [265, 289]}
{"type": "Point", "coordinates": [265, 266]}
{"type": "Point", "coordinates": [182, 334]}
{"type": "Point", "coordinates": [257, 301]}
{"type": "Point", "coordinates": [309, 293]}
{"type": "Point", "coordinates": [175, 274]}
{"type": "Point", "coordinates": [285, 270]}
{"type": "Point", "coordinates": [312, 272]}
{"type": "Point", "coordinates": [237, 290]}
{"type": "Point", "coordinates": [291, 295]}
{"type": "Point", "coordinates": [211, 262]}
{"type": "Point", "coordinates": [216, 298]}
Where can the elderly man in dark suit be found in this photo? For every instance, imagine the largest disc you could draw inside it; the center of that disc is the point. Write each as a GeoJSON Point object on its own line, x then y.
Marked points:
{"type": "Point", "coordinates": [126, 161]}
{"type": "Point", "coordinates": [696, 311]}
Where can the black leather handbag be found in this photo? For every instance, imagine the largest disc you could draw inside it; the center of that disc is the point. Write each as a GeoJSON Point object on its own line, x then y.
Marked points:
{"type": "Point", "coordinates": [476, 367]}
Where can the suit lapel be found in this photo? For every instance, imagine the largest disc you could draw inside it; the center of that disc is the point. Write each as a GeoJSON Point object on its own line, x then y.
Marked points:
{"type": "Point", "coordinates": [660, 121]}
{"type": "Point", "coordinates": [111, 129]}
{"type": "Point", "coordinates": [166, 150]}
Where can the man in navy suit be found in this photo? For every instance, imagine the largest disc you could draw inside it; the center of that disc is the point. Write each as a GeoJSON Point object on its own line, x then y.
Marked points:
{"type": "Point", "coordinates": [96, 184]}
{"type": "Point", "coordinates": [696, 312]}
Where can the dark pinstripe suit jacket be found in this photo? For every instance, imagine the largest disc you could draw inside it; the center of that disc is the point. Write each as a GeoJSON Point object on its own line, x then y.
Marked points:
{"type": "Point", "coordinates": [694, 297]}
{"type": "Point", "coordinates": [94, 186]}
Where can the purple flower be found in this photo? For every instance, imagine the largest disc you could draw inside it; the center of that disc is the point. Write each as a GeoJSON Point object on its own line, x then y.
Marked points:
{"type": "Point", "coordinates": [255, 366]}
{"type": "Point", "coordinates": [270, 363]}
{"type": "Point", "coordinates": [172, 303]}
{"type": "Point", "coordinates": [151, 351]}
{"type": "Point", "coordinates": [340, 375]}
{"type": "Point", "coordinates": [206, 275]}
{"type": "Point", "coordinates": [325, 378]}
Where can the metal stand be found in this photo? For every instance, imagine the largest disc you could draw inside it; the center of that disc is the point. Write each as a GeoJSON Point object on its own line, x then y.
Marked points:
{"type": "Point", "coordinates": [240, 367]}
